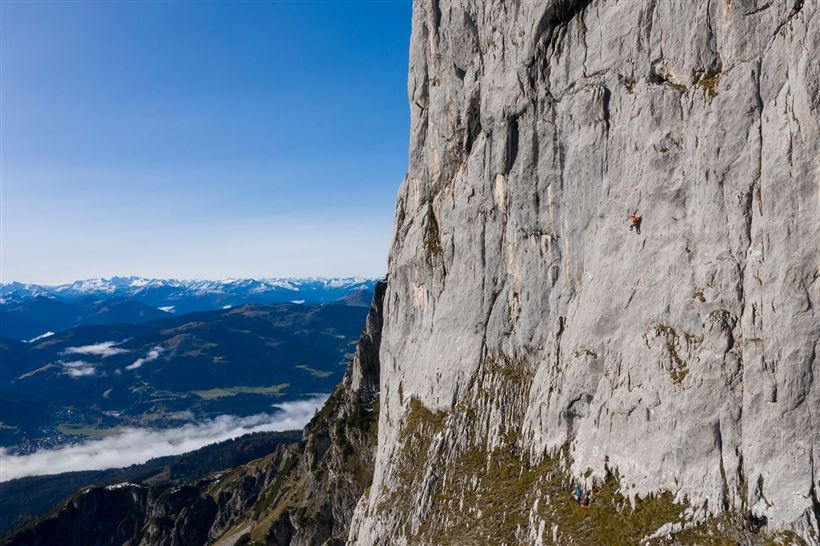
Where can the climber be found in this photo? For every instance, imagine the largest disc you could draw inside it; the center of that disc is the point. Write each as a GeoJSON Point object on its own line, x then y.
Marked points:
{"type": "Point", "coordinates": [754, 523]}
{"type": "Point", "coordinates": [578, 494]}
{"type": "Point", "coordinates": [635, 222]}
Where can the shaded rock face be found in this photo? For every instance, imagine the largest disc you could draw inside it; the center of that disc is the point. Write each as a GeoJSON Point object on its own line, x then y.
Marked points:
{"type": "Point", "coordinates": [683, 358]}
{"type": "Point", "coordinates": [135, 514]}
{"type": "Point", "coordinates": [183, 515]}
{"type": "Point", "coordinates": [104, 515]}
{"type": "Point", "coordinates": [312, 499]}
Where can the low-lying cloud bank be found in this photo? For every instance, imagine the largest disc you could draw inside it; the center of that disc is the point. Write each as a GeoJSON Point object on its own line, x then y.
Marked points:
{"type": "Point", "coordinates": [152, 355]}
{"type": "Point", "coordinates": [134, 446]}
{"type": "Point", "coordinates": [104, 349]}
{"type": "Point", "coordinates": [77, 368]}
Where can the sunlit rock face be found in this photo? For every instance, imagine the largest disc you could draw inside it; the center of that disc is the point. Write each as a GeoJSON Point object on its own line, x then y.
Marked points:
{"type": "Point", "coordinates": [682, 358]}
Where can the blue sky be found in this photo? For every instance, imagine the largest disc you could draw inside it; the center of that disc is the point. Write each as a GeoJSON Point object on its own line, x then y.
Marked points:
{"type": "Point", "coordinates": [207, 140]}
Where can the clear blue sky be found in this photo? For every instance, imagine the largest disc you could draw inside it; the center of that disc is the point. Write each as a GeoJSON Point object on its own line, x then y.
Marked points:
{"type": "Point", "coordinates": [209, 140]}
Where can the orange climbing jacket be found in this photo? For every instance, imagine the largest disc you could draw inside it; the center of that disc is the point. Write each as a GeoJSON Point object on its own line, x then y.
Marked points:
{"type": "Point", "coordinates": [635, 223]}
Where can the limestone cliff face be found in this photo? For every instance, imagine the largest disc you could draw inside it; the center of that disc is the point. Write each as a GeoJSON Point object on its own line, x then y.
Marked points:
{"type": "Point", "coordinates": [524, 321]}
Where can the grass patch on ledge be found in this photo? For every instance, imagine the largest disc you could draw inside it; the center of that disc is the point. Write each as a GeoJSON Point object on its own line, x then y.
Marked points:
{"type": "Point", "coordinates": [709, 82]}
{"type": "Point", "coordinates": [420, 426]}
{"type": "Point", "coordinates": [475, 494]}
{"type": "Point", "coordinates": [432, 237]}
{"type": "Point", "coordinates": [487, 498]}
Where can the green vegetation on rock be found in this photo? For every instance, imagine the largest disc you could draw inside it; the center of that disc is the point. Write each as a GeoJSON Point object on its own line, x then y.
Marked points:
{"type": "Point", "coordinates": [709, 82]}
{"type": "Point", "coordinates": [432, 237]}
{"type": "Point", "coordinates": [485, 489]}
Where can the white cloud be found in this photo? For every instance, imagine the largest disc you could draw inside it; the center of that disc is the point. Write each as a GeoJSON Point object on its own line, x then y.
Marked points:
{"type": "Point", "coordinates": [78, 368]}
{"type": "Point", "coordinates": [152, 355]}
{"type": "Point", "coordinates": [41, 336]}
{"type": "Point", "coordinates": [167, 308]}
{"type": "Point", "coordinates": [103, 349]}
{"type": "Point", "coordinates": [134, 446]}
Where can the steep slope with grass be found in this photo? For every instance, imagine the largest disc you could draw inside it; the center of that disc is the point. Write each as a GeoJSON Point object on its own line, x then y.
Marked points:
{"type": "Point", "coordinates": [532, 340]}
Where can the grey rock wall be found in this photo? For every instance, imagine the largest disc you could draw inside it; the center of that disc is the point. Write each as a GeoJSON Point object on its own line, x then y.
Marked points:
{"type": "Point", "coordinates": [684, 357]}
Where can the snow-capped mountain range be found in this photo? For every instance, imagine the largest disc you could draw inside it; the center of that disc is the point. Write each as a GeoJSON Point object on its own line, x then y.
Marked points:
{"type": "Point", "coordinates": [133, 286]}
{"type": "Point", "coordinates": [29, 310]}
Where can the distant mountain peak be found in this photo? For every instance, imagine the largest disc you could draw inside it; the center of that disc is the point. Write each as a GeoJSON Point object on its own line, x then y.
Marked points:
{"type": "Point", "coordinates": [28, 310]}
{"type": "Point", "coordinates": [119, 283]}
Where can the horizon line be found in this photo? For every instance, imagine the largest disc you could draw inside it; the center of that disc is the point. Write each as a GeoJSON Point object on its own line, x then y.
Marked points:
{"type": "Point", "coordinates": [200, 279]}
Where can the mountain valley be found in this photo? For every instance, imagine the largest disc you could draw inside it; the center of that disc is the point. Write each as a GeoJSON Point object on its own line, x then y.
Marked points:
{"type": "Point", "coordinates": [92, 381]}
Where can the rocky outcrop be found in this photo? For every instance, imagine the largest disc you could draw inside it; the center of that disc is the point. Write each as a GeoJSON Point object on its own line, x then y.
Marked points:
{"type": "Point", "coordinates": [531, 339]}
{"type": "Point", "coordinates": [313, 497]}
{"type": "Point", "coordinates": [96, 516]}
{"type": "Point", "coordinates": [166, 514]}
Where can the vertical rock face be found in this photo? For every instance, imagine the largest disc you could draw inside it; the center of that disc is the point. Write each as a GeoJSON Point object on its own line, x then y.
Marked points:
{"type": "Point", "coordinates": [523, 318]}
